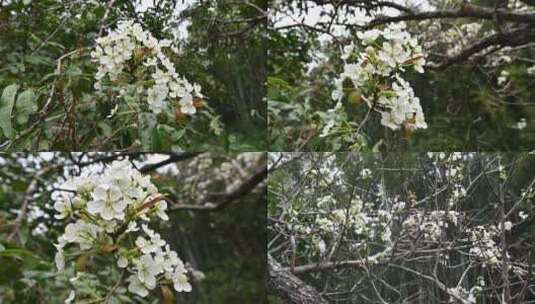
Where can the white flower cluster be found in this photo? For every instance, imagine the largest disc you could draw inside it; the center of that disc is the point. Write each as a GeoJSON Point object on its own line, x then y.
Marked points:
{"type": "Point", "coordinates": [380, 58]}
{"type": "Point", "coordinates": [107, 208]}
{"type": "Point", "coordinates": [368, 224]}
{"type": "Point", "coordinates": [130, 45]}
{"type": "Point", "coordinates": [520, 125]}
{"type": "Point", "coordinates": [502, 79]}
{"type": "Point", "coordinates": [431, 224]}
{"type": "Point", "coordinates": [157, 260]}
{"type": "Point", "coordinates": [466, 296]}
{"type": "Point", "coordinates": [485, 248]}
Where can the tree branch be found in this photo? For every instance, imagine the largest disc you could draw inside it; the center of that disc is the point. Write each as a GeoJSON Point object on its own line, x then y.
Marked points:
{"type": "Point", "coordinates": [175, 157]}
{"type": "Point", "coordinates": [244, 189]}
{"type": "Point", "coordinates": [511, 38]}
{"type": "Point", "coordinates": [290, 287]}
{"type": "Point", "coordinates": [465, 11]}
{"type": "Point", "coordinates": [32, 187]}
{"type": "Point", "coordinates": [326, 266]}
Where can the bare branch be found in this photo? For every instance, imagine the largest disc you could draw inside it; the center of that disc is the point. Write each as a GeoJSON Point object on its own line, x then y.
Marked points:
{"type": "Point", "coordinates": [226, 199]}
{"type": "Point", "coordinates": [511, 38]}
{"type": "Point", "coordinates": [290, 287]}
{"type": "Point", "coordinates": [465, 11]}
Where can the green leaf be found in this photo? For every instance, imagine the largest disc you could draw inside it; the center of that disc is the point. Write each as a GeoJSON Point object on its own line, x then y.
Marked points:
{"type": "Point", "coordinates": [6, 107]}
{"type": "Point", "coordinates": [20, 254]}
{"type": "Point", "coordinates": [49, 75]}
{"type": "Point", "coordinates": [55, 44]}
{"type": "Point", "coordinates": [26, 105]}
{"type": "Point", "coordinates": [165, 136]}
{"type": "Point", "coordinates": [39, 60]}
{"type": "Point", "coordinates": [19, 185]}
{"type": "Point", "coordinates": [44, 145]}
{"type": "Point", "coordinates": [147, 123]}
{"type": "Point", "coordinates": [106, 128]}
{"type": "Point", "coordinates": [73, 71]}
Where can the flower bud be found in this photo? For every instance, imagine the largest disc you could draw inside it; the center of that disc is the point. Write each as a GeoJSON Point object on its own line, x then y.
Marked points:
{"type": "Point", "coordinates": [78, 202]}
{"type": "Point", "coordinates": [355, 97]}
{"type": "Point", "coordinates": [167, 295]}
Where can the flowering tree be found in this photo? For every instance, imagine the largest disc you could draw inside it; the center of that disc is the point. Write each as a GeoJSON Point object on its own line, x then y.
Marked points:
{"type": "Point", "coordinates": [414, 228]}
{"type": "Point", "coordinates": [343, 75]}
{"type": "Point", "coordinates": [116, 228]}
{"type": "Point", "coordinates": [107, 75]}
{"type": "Point", "coordinates": [376, 77]}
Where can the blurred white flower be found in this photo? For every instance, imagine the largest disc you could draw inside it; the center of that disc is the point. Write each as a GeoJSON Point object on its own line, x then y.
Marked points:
{"type": "Point", "coordinates": [520, 125]}
{"type": "Point", "coordinates": [160, 208]}
{"type": "Point", "coordinates": [136, 286]}
{"type": "Point", "coordinates": [147, 270]}
{"type": "Point", "coordinates": [186, 104]}
{"type": "Point", "coordinates": [63, 206]}
{"type": "Point", "coordinates": [70, 298]}
{"type": "Point", "coordinates": [59, 258]}
{"type": "Point", "coordinates": [122, 262]}
{"type": "Point", "coordinates": [180, 282]}
{"type": "Point", "coordinates": [502, 79]}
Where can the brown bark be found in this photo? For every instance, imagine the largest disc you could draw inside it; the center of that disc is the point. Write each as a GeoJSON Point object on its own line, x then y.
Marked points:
{"type": "Point", "coordinates": [287, 286]}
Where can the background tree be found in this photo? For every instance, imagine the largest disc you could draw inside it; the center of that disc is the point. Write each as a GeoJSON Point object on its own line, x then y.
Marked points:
{"type": "Point", "coordinates": [401, 228]}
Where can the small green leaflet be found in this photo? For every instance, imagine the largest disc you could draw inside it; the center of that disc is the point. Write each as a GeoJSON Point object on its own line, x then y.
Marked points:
{"type": "Point", "coordinates": [147, 123]}
{"type": "Point", "coordinates": [26, 105]}
{"type": "Point", "coordinates": [6, 107]}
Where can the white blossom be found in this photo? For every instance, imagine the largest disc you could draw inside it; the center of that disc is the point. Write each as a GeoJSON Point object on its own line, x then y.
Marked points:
{"type": "Point", "coordinates": [386, 54]}
{"type": "Point", "coordinates": [70, 298]}
{"type": "Point", "coordinates": [107, 201]}
{"type": "Point", "coordinates": [502, 79]}
{"type": "Point", "coordinates": [136, 286]}
{"type": "Point", "coordinates": [521, 124]}
{"type": "Point", "coordinates": [117, 199]}
{"type": "Point", "coordinates": [122, 262]}
{"type": "Point", "coordinates": [147, 270]}
{"type": "Point", "coordinates": [64, 207]}
{"type": "Point", "coordinates": [115, 52]}
{"type": "Point", "coordinates": [160, 208]}
{"type": "Point", "coordinates": [59, 258]}
{"type": "Point", "coordinates": [180, 282]}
